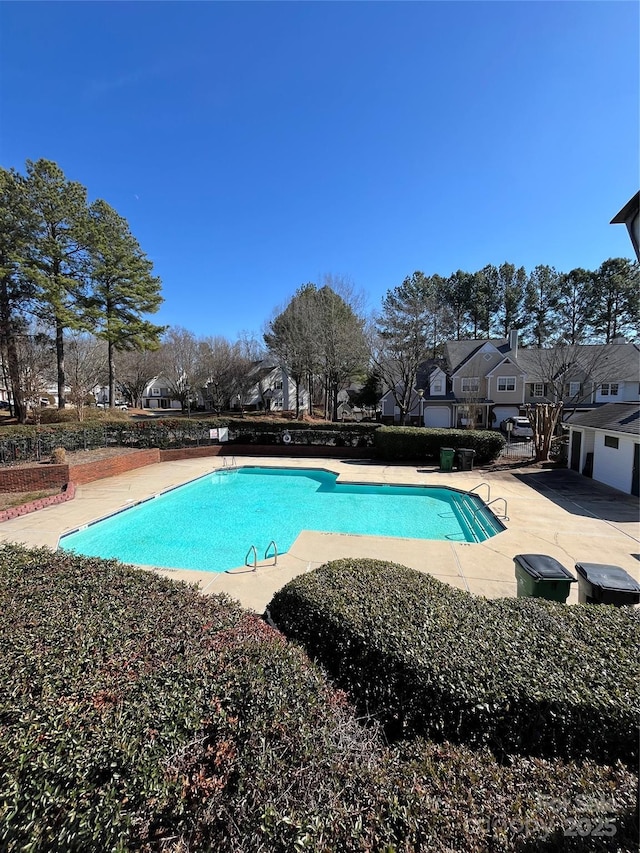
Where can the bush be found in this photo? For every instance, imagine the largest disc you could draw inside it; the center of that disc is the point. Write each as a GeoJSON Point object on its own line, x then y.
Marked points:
{"type": "Point", "coordinates": [519, 675]}
{"type": "Point", "coordinates": [138, 715]}
{"type": "Point", "coordinates": [58, 456]}
{"type": "Point", "coordinates": [89, 413]}
{"type": "Point", "coordinates": [417, 443]}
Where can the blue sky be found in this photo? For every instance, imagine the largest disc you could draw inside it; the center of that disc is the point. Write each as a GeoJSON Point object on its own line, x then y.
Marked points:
{"type": "Point", "coordinates": [254, 147]}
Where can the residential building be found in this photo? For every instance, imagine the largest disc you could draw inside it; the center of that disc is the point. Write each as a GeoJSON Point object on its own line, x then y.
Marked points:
{"type": "Point", "coordinates": [157, 395]}
{"type": "Point", "coordinates": [479, 383]}
{"type": "Point", "coordinates": [605, 444]}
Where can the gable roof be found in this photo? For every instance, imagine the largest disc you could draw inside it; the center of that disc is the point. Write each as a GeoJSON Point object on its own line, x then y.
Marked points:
{"type": "Point", "coordinates": [614, 417]}
{"type": "Point", "coordinates": [459, 352]}
{"type": "Point", "coordinates": [613, 362]}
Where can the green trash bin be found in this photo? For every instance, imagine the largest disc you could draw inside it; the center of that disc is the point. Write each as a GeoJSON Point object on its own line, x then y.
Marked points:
{"type": "Point", "coordinates": [447, 455]}
{"type": "Point", "coordinates": [540, 576]}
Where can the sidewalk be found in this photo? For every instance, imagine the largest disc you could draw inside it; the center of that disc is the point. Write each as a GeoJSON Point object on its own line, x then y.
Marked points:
{"type": "Point", "coordinates": [554, 512]}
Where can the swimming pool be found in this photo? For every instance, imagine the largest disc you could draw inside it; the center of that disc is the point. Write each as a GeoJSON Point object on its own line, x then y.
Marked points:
{"type": "Point", "coordinates": [211, 523]}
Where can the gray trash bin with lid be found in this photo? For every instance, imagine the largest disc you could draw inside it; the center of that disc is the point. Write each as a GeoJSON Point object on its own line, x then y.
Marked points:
{"type": "Point", "coordinates": [465, 458]}
{"type": "Point", "coordinates": [447, 455]}
{"type": "Point", "coordinates": [540, 576]}
{"type": "Point", "coordinates": [599, 583]}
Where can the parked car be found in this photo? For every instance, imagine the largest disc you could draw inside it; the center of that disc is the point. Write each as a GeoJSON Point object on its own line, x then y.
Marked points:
{"type": "Point", "coordinates": [520, 427]}
{"type": "Point", "coordinates": [4, 404]}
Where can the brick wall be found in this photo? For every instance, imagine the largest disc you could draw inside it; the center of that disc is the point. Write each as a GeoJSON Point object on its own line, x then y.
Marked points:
{"type": "Point", "coordinates": [33, 479]}
{"type": "Point", "coordinates": [90, 471]}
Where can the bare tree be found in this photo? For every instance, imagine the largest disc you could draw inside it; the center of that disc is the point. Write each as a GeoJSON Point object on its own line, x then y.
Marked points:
{"type": "Point", "coordinates": [87, 366]}
{"type": "Point", "coordinates": [569, 375]}
{"type": "Point", "coordinates": [180, 363]}
{"type": "Point", "coordinates": [134, 371]}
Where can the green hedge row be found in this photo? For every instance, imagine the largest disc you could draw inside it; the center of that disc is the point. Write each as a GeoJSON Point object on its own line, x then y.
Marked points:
{"type": "Point", "coordinates": [519, 675]}
{"type": "Point", "coordinates": [390, 443]}
{"type": "Point", "coordinates": [138, 715]}
{"type": "Point", "coordinates": [417, 443]}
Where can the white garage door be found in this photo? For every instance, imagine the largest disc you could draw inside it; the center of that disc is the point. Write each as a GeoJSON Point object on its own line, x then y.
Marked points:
{"type": "Point", "coordinates": [502, 412]}
{"type": "Point", "coordinates": [437, 416]}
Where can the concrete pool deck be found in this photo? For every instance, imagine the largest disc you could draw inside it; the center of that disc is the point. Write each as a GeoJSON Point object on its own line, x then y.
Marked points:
{"type": "Point", "coordinates": [554, 512]}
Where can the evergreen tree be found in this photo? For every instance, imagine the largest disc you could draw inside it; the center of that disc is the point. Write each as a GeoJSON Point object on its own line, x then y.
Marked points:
{"type": "Point", "coordinates": [574, 309]}
{"type": "Point", "coordinates": [58, 258]}
{"type": "Point", "coordinates": [510, 295]}
{"type": "Point", "coordinates": [123, 288]}
{"type": "Point", "coordinates": [541, 301]}
{"type": "Point", "coordinates": [16, 288]}
{"type": "Point", "coordinates": [614, 298]}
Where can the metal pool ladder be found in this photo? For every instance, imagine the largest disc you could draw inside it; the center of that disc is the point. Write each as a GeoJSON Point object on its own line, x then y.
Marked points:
{"type": "Point", "coordinates": [488, 490]}
{"type": "Point", "coordinates": [495, 500]}
{"type": "Point", "coordinates": [253, 550]}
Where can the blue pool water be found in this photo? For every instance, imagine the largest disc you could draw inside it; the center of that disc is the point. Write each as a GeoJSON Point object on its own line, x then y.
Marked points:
{"type": "Point", "coordinates": [211, 523]}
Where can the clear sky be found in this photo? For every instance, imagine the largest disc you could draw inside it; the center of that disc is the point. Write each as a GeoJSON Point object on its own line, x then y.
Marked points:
{"type": "Point", "coordinates": [254, 147]}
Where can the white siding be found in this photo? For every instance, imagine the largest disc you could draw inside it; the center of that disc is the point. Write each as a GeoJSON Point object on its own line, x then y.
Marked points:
{"type": "Point", "coordinates": [612, 466]}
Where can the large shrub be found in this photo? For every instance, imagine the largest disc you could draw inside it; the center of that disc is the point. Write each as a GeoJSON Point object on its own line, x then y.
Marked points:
{"type": "Point", "coordinates": [417, 443]}
{"type": "Point", "coordinates": [520, 675]}
{"type": "Point", "coordinates": [138, 715]}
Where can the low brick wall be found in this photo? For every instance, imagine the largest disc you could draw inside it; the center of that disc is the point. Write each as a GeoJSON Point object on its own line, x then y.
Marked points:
{"type": "Point", "coordinates": [191, 453]}
{"type": "Point", "coordinates": [33, 479]}
{"type": "Point", "coordinates": [90, 471]}
{"type": "Point", "coordinates": [67, 495]}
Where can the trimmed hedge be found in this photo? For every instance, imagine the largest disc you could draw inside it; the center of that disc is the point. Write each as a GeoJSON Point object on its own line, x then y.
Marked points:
{"type": "Point", "coordinates": [138, 715]}
{"type": "Point", "coordinates": [419, 443]}
{"type": "Point", "coordinates": [519, 675]}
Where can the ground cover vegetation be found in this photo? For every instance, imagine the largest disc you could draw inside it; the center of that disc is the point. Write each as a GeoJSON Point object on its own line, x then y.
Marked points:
{"type": "Point", "coordinates": [138, 715]}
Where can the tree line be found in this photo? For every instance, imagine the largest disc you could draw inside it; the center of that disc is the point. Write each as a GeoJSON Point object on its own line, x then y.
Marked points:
{"type": "Point", "coordinates": [75, 289]}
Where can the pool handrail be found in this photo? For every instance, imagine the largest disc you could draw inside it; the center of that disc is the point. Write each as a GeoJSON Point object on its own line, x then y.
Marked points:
{"type": "Point", "coordinates": [275, 551]}
{"type": "Point", "coordinates": [488, 490]}
{"type": "Point", "coordinates": [495, 500]}
{"type": "Point", "coordinates": [255, 557]}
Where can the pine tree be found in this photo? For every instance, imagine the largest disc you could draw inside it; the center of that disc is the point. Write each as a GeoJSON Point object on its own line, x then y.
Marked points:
{"type": "Point", "coordinates": [123, 288]}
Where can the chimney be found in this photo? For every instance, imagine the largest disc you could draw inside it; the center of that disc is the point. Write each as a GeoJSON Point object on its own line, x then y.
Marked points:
{"type": "Point", "coordinates": [513, 341]}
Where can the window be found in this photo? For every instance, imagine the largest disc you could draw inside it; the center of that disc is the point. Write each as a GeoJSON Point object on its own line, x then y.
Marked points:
{"type": "Point", "coordinates": [437, 386]}
{"type": "Point", "coordinates": [537, 389]}
{"type": "Point", "coordinates": [470, 384]}
{"type": "Point", "coordinates": [155, 392]}
{"type": "Point", "coordinates": [574, 389]}
{"type": "Point", "coordinates": [506, 383]}
{"type": "Point", "coordinates": [609, 389]}
{"type": "Point", "coordinates": [611, 441]}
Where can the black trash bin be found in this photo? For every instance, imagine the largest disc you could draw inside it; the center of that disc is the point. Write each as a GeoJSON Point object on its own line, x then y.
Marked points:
{"type": "Point", "coordinates": [540, 576]}
{"type": "Point", "coordinates": [465, 458]}
{"type": "Point", "coordinates": [599, 583]}
{"type": "Point", "coordinates": [447, 455]}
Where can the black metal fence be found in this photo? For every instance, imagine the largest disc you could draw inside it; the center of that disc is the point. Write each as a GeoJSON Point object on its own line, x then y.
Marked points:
{"type": "Point", "coordinates": [38, 445]}
{"type": "Point", "coordinates": [518, 450]}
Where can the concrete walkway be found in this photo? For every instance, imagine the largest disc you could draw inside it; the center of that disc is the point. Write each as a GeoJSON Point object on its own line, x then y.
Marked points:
{"type": "Point", "coordinates": [558, 513]}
